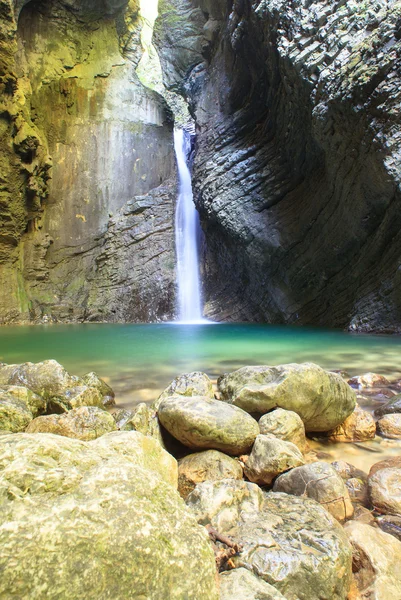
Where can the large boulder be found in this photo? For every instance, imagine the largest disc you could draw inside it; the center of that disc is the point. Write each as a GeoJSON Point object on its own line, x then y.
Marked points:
{"type": "Point", "coordinates": [210, 465]}
{"type": "Point", "coordinates": [285, 425]}
{"type": "Point", "coordinates": [142, 418]}
{"type": "Point", "coordinates": [389, 426]}
{"type": "Point", "coordinates": [15, 416]}
{"type": "Point", "coordinates": [189, 384]}
{"type": "Point", "coordinates": [56, 386]}
{"type": "Point", "coordinates": [200, 423]}
{"type": "Point", "coordinates": [83, 524]}
{"type": "Point", "coordinates": [322, 399]}
{"type": "Point", "coordinates": [292, 543]}
{"type": "Point", "coordinates": [34, 403]}
{"type": "Point", "coordinates": [360, 426]}
{"type": "Point", "coordinates": [85, 423]}
{"type": "Point", "coordinates": [376, 558]}
{"type": "Point", "coordinates": [321, 482]}
{"type": "Point", "coordinates": [270, 457]}
{"type": "Point", "coordinates": [241, 584]}
{"type": "Point", "coordinates": [385, 490]}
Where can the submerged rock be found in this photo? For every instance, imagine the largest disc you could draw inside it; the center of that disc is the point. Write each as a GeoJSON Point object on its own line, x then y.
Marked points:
{"type": "Point", "coordinates": [318, 481]}
{"type": "Point", "coordinates": [189, 384]}
{"type": "Point", "coordinates": [376, 557]}
{"type": "Point", "coordinates": [200, 422]}
{"type": "Point", "coordinates": [90, 520]}
{"type": "Point", "coordinates": [241, 584]}
{"type": "Point", "coordinates": [394, 406]}
{"type": "Point", "coordinates": [360, 426]}
{"type": "Point", "coordinates": [368, 380]}
{"type": "Point", "coordinates": [210, 465]}
{"type": "Point", "coordinates": [292, 543]}
{"type": "Point", "coordinates": [389, 426]}
{"type": "Point", "coordinates": [270, 457]}
{"type": "Point", "coordinates": [285, 425]}
{"type": "Point", "coordinates": [85, 423]}
{"type": "Point", "coordinates": [14, 414]}
{"type": "Point", "coordinates": [322, 399]}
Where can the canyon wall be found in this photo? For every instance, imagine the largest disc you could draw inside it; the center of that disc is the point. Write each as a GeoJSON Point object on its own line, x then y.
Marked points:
{"type": "Point", "coordinates": [88, 179]}
{"type": "Point", "coordinates": [297, 171]}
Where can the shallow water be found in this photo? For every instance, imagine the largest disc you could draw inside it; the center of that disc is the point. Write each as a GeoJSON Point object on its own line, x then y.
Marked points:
{"type": "Point", "coordinates": [139, 361]}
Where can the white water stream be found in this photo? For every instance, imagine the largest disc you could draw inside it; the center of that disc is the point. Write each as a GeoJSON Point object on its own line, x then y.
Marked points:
{"type": "Point", "coordinates": [186, 237]}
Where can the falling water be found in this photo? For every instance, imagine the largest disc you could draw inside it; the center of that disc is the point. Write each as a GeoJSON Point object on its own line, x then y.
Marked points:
{"type": "Point", "coordinates": [186, 237]}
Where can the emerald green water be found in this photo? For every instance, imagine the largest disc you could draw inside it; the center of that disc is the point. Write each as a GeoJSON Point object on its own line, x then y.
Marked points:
{"type": "Point", "coordinates": [139, 361]}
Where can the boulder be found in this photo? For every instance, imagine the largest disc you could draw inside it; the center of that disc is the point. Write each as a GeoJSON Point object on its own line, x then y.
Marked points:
{"type": "Point", "coordinates": [92, 380]}
{"type": "Point", "coordinates": [318, 481]}
{"type": "Point", "coordinates": [34, 403]}
{"type": "Point", "coordinates": [385, 490]}
{"type": "Point", "coordinates": [199, 422]}
{"type": "Point", "coordinates": [93, 526]}
{"type": "Point", "coordinates": [210, 465]}
{"type": "Point", "coordinates": [360, 426]}
{"type": "Point", "coordinates": [389, 426]}
{"type": "Point", "coordinates": [348, 471]}
{"type": "Point", "coordinates": [390, 524]}
{"type": "Point", "coordinates": [241, 584]}
{"type": "Point", "coordinates": [394, 406]}
{"type": "Point", "coordinates": [322, 399]}
{"type": "Point", "coordinates": [291, 543]}
{"type": "Point", "coordinates": [368, 380]}
{"type": "Point", "coordinates": [270, 457]}
{"type": "Point", "coordinates": [142, 418]}
{"type": "Point", "coordinates": [358, 491]}
{"type": "Point", "coordinates": [285, 425]}
{"type": "Point", "coordinates": [388, 463]}
{"type": "Point", "coordinates": [75, 397]}
{"type": "Point", "coordinates": [189, 384]}
{"type": "Point", "coordinates": [14, 414]}
{"type": "Point", "coordinates": [85, 423]}
{"type": "Point", "coordinates": [376, 557]}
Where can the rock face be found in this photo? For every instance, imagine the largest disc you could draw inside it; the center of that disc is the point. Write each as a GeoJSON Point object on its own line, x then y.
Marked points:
{"type": "Point", "coordinates": [199, 423]}
{"type": "Point", "coordinates": [86, 207]}
{"type": "Point", "coordinates": [292, 543]}
{"type": "Point", "coordinates": [358, 427]}
{"type": "Point", "coordinates": [210, 465]}
{"type": "Point", "coordinates": [76, 503]}
{"type": "Point", "coordinates": [375, 561]}
{"type": "Point", "coordinates": [285, 425]}
{"type": "Point", "coordinates": [322, 399]}
{"type": "Point", "coordinates": [85, 423]}
{"type": "Point", "coordinates": [297, 173]}
{"type": "Point", "coordinates": [320, 482]}
{"type": "Point", "coordinates": [270, 457]}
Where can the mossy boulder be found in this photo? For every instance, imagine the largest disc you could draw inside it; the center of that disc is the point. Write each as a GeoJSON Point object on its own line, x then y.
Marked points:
{"type": "Point", "coordinates": [292, 543]}
{"type": "Point", "coordinates": [322, 399]}
{"type": "Point", "coordinates": [210, 465]}
{"type": "Point", "coordinates": [201, 423]}
{"type": "Point", "coordinates": [189, 384]}
{"type": "Point", "coordinates": [79, 521]}
{"type": "Point", "coordinates": [285, 425]}
{"type": "Point", "coordinates": [36, 404]}
{"type": "Point", "coordinates": [85, 423]}
{"type": "Point", "coordinates": [270, 457]}
{"type": "Point", "coordinates": [142, 418]}
{"type": "Point", "coordinates": [14, 414]}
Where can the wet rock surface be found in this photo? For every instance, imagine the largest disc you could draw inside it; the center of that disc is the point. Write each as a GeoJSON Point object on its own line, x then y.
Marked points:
{"type": "Point", "coordinates": [389, 426]}
{"type": "Point", "coordinates": [271, 457]}
{"type": "Point", "coordinates": [210, 465]}
{"type": "Point", "coordinates": [385, 490]}
{"type": "Point", "coordinates": [189, 384]}
{"type": "Point", "coordinates": [321, 398]}
{"type": "Point", "coordinates": [358, 427]}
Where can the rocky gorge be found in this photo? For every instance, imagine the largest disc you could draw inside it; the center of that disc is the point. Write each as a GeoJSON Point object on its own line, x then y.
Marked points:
{"type": "Point", "coordinates": [193, 496]}
{"type": "Point", "coordinates": [295, 172]}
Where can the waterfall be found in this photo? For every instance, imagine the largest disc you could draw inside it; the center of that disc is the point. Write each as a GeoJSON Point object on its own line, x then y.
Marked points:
{"type": "Point", "coordinates": [187, 230]}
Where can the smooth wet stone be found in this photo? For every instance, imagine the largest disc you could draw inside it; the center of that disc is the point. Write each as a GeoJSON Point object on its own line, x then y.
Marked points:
{"type": "Point", "coordinates": [322, 399]}
{"type": "Point", "coordinates": [241, 584]}
{"type": "Point", "coordinates": [54, 384]}
{"type": "Point", "coordinates": [34, 403]}
{"type": "Point", "coordinates": [394, 406]}
{"type": "Point", "coordinates": [385, 490]}
{"type": "Point", "coordinates": [360, 426]}
{"type": "Point", "coordinates": [76, 523]}
{"type": "Point", "coordinates": [368, 380]}
{"type": "Point", "coordinates": [320, 482]}
{"type": "Point", "coordinates": [142, 418]}
{"type": "Point", "coordinates": [189, 384]}
{"type": "Point", "coordinates": [389, 426]}
{"type": "Point", "coordinates": [376, 558]}
{"type": "Point", "coordinates": [85, 423]}
{"type": "Point", "coordinates": [200, 423]}
{"type": "Point", "coordinates": [390, 524]}
{"type": "Point", "coordinates": [269, 457]}
{"type": "Point", "coordinates": [285, 425]}
{"type": "Point", "coordinates": [14, 414]}
{"type": "Point", "coordinates": [290, 542]}
{"type": "Point", "coordinates": [210, 465]}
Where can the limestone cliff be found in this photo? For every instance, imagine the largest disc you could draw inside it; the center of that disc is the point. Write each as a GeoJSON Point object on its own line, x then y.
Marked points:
{"type": "Point", "coordinates": [297, 172]}
{"type": "Point", "coordinates": [87, 179]}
